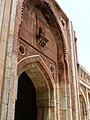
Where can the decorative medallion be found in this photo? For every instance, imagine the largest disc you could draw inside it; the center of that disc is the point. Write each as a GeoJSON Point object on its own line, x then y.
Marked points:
{"type": "Point", "coordinates": [22, 49]}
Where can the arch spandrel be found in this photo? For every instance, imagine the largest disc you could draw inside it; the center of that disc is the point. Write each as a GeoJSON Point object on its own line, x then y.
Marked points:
{"type": "Point", "coordinates": [36, 60]}
{"type": "Point", "coordinates": [59, 39]}
{"type": "Point", "coordinates": [55, 28]}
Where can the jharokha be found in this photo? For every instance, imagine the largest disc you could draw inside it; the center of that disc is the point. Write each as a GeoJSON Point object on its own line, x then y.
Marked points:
{"type": "Point", "coordinates": [40, 77]}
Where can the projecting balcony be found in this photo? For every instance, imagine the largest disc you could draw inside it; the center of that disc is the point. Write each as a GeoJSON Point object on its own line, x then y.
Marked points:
{"type": "Point", "coordinates": [42, 40]}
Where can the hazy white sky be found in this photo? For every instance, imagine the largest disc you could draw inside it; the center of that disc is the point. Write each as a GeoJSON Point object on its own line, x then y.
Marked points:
{"type": "Point", "coordinates": [78, 11]}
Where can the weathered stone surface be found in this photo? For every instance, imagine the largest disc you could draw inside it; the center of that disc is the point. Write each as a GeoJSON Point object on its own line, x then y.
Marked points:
{"type": "Point", "coordinates": [61, 94]}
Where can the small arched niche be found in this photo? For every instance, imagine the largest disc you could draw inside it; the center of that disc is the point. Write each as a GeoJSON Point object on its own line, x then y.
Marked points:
{"type": "Point", "coordinates": [83, 110]}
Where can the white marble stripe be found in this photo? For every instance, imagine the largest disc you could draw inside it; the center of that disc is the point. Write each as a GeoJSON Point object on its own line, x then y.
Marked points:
{"type": "Point", "coordinates": [8, 6]}
{"type": "Point", "coordinates": [2, 4]}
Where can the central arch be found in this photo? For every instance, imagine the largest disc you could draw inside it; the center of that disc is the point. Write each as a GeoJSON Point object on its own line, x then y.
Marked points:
{"type": "Point", "coordinates": [41, 80]}
{"type": "Point", "coordinates": [49, 16]}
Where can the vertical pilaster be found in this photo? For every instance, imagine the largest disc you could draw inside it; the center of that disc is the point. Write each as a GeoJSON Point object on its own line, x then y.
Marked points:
{"type": "Point", "coordinates": [88, 105]}
{"type": "Point", "coordinates": [74, 89]}
{"type": "Point", "coordinates": [57, 101]}
{"type": "Point", "coordinates": [88, 116]}
{"type": "Point", "coordinates": [2, 4]}
{"type": "Point", "coordinates": [11, 61]}
{"type": "Point", "coordinates": [5, 7]}
{"type": "Point", "coordinates": [63, 95]}
{"type": "Point", "coordinates": [68, 89]}
{"type": "Point", "coordinates": [69, 105]}
{"type": "Point", "coordinates": [53, 104]}
{"type": "Point", "coordinates": [63, 101]}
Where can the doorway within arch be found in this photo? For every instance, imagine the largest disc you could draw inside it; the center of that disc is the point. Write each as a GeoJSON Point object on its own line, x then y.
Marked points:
{"type": "Point", "coordinates": [83, 110]}
{"type": "Point", "coordinates": [25, 108]}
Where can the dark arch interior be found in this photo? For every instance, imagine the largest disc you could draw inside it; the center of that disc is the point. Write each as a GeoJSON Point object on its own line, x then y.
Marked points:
{"type": "Point", "coordinates": [25, 108]}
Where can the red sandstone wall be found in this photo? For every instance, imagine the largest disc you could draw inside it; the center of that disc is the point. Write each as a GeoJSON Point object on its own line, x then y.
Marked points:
{"type": "Point", "coordinates": [28, 30]}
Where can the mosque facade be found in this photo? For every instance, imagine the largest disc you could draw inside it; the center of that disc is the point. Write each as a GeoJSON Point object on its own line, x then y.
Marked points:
{"type": "Point", "coordinates": [40, 77]}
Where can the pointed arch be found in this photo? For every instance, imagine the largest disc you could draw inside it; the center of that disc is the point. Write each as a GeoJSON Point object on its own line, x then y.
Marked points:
{"type": "Point", "coordinates": [41, 5]}
{"type": "Point", "coordinates": [43, 81]}
{"type": "Point", "coordinates": [36, 59]}
{"type": "Point", "coordinates": [83, 105]}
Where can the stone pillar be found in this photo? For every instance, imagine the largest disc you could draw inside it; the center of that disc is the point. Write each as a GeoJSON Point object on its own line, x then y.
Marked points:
{"type": "Point", "coordinates": [4, 26]}
{"type": "Point", "coordinates": [63, 93]}
{"type": "Point", "coordinates": [74, 82]}
{"type": "Point", "coordinates": [10, 75]}
{"type": "Point", "coordinates": [87, 105]}
{"type": "Point", "coordinates": [69, 105]}
{"type": "Point", "coordinates": [2, 4]}
{"type": "Point", "coordinates": [63, 102]}
{"type": "Point", "coordinates": [57, 101]}
{"type": "Point", "coordinates": [68, 88]}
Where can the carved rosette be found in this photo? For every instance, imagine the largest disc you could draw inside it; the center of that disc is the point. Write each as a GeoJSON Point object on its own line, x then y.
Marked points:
{"type": "Point", "coordinates": [22, 49]}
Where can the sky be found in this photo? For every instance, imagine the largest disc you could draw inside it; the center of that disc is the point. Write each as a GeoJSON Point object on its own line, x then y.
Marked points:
{"type": "Point", "coordinates": [78, 11]}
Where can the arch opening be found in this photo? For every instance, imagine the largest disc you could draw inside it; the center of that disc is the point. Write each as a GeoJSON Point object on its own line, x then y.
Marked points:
{"type": "Point", "coordinates": [25, 108]}
{"type": "Point", "coordinates": [41, 92]}
{"type": "Point", "coordinates": [83, 110]}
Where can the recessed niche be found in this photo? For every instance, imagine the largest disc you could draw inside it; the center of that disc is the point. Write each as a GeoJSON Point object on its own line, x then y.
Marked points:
{"type": "Point", "coordinates": [62, 21]}
{"type": "Point", "coordinates": [52, 68]}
